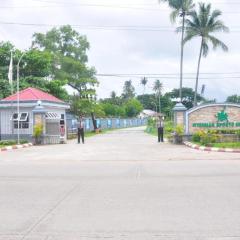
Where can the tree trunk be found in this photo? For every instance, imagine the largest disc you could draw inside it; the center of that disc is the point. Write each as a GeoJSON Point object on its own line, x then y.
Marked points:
{"type": "Point", "coordinates": [181, 62]}
{"type": "Point", "coordinates": [197, 77]}
{"type": "Point", "coordinates": [159, 102]}
{"type": "Point", "coordinates": [94, 121]}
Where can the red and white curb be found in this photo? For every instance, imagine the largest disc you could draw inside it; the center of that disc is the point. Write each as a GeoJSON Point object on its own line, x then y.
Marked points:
{"type": "Point", "coordinates": [15, 147]}
{"type": "Point", "coordinates": [211, 149]}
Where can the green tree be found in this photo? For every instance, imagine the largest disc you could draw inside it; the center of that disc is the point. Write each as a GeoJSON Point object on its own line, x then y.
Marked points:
{"type": "Point", "coordinates": [144, 82]}
{"type": "Point", "coordinates": [69, 50]}
{"type": "Point", "coordinates": [187, 96]}
{"type": "Point", "coordinates": [180, 8]}
{"type": "Point", "coordinates": [128, 90]}
{"type": "Point", "coordinates": [233, 99]}
{"type": "Point", "coordinates": [133, 107]}
{"type": "Point", "coordinates": [204, 24]}
{"type": "Point", "coordinates": [5, 89]}
{"type": "Point", "coordinates": [157, 88]}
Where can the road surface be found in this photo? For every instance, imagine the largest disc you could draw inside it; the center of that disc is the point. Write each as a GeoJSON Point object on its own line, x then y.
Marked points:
{"type": "Point", "coordinates": [120, 185]}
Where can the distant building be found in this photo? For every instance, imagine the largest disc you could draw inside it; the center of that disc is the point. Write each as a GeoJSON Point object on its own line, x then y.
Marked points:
{"type": "Point", "coordinates": [36, 107]}
{"type": "Point", "coordinates": [147, 113]}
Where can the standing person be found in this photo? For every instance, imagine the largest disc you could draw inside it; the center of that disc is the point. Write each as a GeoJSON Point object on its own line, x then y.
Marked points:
{"type": "Point", "coordinates": [160, 127]}
{"type": "Point", "coordinates": [81, 130]}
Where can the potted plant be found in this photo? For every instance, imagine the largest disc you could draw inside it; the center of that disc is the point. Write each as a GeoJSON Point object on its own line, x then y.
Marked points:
{"type": "Point", "coordinates": [37, 133]}
{"type": "Point", "coordinates": [178, 134]}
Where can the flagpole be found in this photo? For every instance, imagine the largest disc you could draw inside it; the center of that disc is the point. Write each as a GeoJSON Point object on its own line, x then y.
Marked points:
{"type": "Point", "coordinates": [18, 105]}
{"type": "Point", "coordinates": [10, 79]}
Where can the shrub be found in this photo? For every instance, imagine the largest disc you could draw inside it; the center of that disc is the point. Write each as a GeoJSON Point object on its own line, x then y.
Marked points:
{"type": "Point", "coordinates": [179, 130]}
{"type": "Point", "coordinates": [37, 133]}
{"type": "Point", "coordinates": [12, 142]}
{"type": "Point", "coordinates": [197, 136]}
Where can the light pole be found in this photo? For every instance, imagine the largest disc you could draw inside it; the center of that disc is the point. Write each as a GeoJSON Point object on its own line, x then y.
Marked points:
{"type": "Point", "coordinates": [18, 105]}
{"type": "Point", "coordinates": [155, 106]}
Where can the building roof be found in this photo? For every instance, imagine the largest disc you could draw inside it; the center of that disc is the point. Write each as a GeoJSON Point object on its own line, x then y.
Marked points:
{"type": "Point", "coordinates": [33, 94]}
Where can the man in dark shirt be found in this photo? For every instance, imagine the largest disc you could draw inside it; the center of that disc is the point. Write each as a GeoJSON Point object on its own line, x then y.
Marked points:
{"type": "Point", "coordinates": [160, 128]}
{"type": "Point", "coordinates": [80, 132]}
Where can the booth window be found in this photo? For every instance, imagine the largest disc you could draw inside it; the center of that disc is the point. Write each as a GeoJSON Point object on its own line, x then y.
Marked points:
{"type": "Point", "coordinates": [23, 119]}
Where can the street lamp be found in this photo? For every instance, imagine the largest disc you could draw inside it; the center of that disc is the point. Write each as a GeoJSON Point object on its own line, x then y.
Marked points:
{"type": "Point", "coordinates": [155, 106]}
{"type": "Point", "coordinates": [18, 106]}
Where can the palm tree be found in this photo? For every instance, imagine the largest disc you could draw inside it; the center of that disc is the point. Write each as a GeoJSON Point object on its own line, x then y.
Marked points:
{"type": "Point", "coordinates": [203, 24]}
{"type": "Point", "coordinates": [181, 8]}
{"type": "Point", "coordinates": [158, 87]}
{"type": "Point", "coordinates": [144, 82]}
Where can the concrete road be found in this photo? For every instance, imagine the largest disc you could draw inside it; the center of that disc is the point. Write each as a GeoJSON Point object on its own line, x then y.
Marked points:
{"type": "Point", "coordinates": [120, 185]}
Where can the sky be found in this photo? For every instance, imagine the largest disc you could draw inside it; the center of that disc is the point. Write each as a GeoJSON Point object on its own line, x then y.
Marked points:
{"type": "Point", "coordinates": [132, 39]}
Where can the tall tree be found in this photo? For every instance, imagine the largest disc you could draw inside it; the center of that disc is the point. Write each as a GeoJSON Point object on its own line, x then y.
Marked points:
{"type": "Point", "coordinates": [233, 99]}
{"type": "Point", "coordinates": [204, 24]}
{"type": "Point", "coordinates": [144, 82]}
{"type": "Point", "coordinates": [188, 96]}
{"type": "Point", "coordinates": [69, 49]}
{"type": "Point", "coordinates": [180, 8]}
{"type": "Point", "coordinates": [157, 88]}
{"type": "Point", "coordinates": [128, 90]}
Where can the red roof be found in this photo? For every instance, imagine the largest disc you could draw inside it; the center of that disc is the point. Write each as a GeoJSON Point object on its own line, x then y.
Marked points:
{"type": "Point", "coordinates": [32, 94]}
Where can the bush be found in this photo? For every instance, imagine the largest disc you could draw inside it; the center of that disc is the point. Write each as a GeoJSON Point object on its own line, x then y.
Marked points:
{"type": "Point", "coordinates": [11, 142]}
{"type": "Point", "coordinates": [206, 137]}
{"type": "Point", "coordinates": [37, 133]}
{"type": "Point", "coordinates": [196, 137]}
{"type": "Point", "coordinates": [179, 130]}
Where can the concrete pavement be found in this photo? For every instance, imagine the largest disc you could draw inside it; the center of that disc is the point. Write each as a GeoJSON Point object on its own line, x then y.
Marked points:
{"type": "Point", "coordinates": [120, 185]}
{"type": "Point", "coordinates": [122, 145]}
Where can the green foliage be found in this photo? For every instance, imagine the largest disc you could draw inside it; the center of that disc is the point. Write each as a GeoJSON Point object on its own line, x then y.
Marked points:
{"type": "Point", "coordinates": [5, 89]}
{"type": "Point", "coordinates": [113, 110]}
{"type": "Point", "coordinates": [187, 96]}
{"type": "Point", "coordinates": [38, 130]}
{"type": "Point", "coordinates": [227, 145]}
{"type": "Point", "coordinates": [233, 99]}
{"type": "Point", "coordinates": [179, 130]}
{"type": "Point", "coordinates": [133, 108]}
{"type": "Point", "coordinates": [69, 50]}
{"type": "Point", "coordinates": [12, 142]}
{"type": "Point", "coordinates": [128, 90]}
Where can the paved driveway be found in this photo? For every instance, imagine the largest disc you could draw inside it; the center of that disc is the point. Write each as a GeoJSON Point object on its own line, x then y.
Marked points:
{"type": "Point", "coordinates": [122, 145]}
{"type": "Point", "coordinates": [120, 185]}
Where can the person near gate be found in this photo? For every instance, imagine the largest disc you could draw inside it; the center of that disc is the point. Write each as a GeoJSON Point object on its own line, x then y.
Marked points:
{"type": "Point", "coordinates": [160, 128]}
{"type": "Point", "coordinates": [80, 131]}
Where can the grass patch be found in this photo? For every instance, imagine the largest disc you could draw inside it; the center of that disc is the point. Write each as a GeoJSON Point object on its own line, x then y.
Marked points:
{"type": "Point", "coordinates": [6, 143]}
{"type": "Point", "coordinates": [227, 145]}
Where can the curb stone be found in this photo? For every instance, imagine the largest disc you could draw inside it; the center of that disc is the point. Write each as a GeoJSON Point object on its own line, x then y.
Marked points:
{"type": "Point", "coordinates": [4, 149]}
{"type": "Point", "coordinates": [211, 149]}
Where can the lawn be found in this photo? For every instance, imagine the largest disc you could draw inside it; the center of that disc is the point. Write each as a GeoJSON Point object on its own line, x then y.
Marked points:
{"type": "Point", "coordinates": [227, 145]}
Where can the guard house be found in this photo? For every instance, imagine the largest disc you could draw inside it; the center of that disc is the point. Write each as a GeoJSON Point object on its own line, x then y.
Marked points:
{"type": "Point", "coordinates": [35, 107]}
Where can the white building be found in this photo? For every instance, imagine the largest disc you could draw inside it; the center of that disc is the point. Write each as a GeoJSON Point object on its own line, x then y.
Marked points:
{"type": "Point", "coordinates": [36, 107]}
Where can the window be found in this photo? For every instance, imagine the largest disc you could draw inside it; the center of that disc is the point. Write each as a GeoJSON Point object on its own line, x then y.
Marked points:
{"type": "Point", "coordinates": [52, 116]}
{"type": "Point", "coordinates": [23, 119]}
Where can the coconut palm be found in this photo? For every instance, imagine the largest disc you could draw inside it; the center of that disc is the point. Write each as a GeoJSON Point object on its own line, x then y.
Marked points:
{"type": "Point", "coordinates": [158, 87]}
{"type": "Point", "coordinates": [144, 82]}
{"type": "Point", "coordinates": [181, 8]}
{"type": "Point", "coordinates": [204, 24]}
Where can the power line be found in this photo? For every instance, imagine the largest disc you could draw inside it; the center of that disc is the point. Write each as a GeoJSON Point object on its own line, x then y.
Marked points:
{"type": "Point", "coordinates": [114, 28]}
{"type": "Point", "coordinates": [165, 77]}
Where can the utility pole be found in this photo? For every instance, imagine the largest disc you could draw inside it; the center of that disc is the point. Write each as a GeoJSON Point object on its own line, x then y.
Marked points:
{"type": "Point", "coordinates": [18, 105]}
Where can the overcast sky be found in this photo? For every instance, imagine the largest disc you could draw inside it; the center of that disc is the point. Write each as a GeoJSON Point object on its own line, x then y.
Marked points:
{"type": "Point", "coordinates": [146, 43]}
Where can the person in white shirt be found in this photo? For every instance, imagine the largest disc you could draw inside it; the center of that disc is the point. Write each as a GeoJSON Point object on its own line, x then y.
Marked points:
{"type": "Point", "coordinates": [160, 128]}
{"type": "Point", "coordinates": [80, 132]}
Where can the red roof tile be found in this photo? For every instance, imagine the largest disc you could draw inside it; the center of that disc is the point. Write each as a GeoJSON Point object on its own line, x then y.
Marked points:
{"type": "Point", "coordinates": [32, 94]}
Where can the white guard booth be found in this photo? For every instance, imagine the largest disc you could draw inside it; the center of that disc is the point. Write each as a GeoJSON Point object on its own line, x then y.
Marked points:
{"type": "Point", "coordinates": [36, 107]}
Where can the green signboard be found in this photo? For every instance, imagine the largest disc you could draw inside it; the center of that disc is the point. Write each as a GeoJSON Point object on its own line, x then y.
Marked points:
{"type": "Point", "coordinates": [222, 122]}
